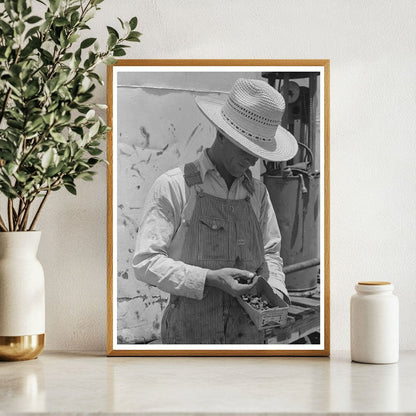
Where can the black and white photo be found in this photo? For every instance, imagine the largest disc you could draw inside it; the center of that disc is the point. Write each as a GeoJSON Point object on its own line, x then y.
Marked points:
{"type": "Point", "coordinates": [217, 219]}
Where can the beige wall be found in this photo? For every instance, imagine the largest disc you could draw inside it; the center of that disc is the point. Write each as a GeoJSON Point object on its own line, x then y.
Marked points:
{"type": "Point", "coordinates": [373, 146]}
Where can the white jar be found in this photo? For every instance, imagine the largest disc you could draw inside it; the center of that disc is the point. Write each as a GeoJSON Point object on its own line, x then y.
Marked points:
{"type": "Point", "coordinates": [374, 323]}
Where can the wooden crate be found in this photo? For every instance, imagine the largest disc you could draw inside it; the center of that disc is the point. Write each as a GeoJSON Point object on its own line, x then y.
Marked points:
{"type": "Point", "coordinates": [271, 317]}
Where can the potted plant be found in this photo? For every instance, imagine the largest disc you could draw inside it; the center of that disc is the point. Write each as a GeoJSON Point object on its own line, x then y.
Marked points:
{"type": "Point", "coordinates": [50, 136]}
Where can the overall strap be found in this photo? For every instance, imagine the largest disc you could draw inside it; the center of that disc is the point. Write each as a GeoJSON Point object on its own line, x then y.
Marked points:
{"type": "Point", "coordinates": [192, 175]}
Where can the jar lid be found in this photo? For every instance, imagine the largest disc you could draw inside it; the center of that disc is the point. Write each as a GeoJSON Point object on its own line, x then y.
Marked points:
{"type": "Point", "coordinates": [370, 287]}
{"type": "Point", "coordinates": [373, 283]}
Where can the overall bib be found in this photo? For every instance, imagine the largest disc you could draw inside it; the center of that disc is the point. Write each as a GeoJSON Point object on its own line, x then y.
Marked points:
{"type": "Point", "coordinates": [220, 233]}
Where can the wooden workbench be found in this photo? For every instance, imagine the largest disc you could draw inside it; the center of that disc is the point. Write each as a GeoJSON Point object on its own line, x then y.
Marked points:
{"type": "Point", "coordinates": [303, 320]}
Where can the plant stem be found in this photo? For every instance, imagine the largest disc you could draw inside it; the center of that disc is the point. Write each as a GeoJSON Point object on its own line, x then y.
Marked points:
{"type": "Point", "coordinates": [2, 224]}
{"type": "Point", "coordinates": [17, 217]}
{"type": "Point", "coordinates": [10, 213]}
{"type": "Point", "coordinates": [39, 209]}
{"type": "Point", "coordinates": [26, 216]}
{"type": "Point", "coordinates": [3, 109]}
{"type": "Point", "coordinates": [21, 212]}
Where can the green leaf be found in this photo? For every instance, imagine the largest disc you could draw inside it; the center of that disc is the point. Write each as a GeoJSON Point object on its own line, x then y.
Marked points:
{"type": "Point", "coordinates": [58, 137]}
{"type": "Point", "coordinates": [46, 56]}
{"type": "Point", "coordinates": [94, 151]}
{"type": "Point", "coordinates": [121, 22]}
{"type": "Point", "coordinates": [21, 177]}
{"type": "Point", "coordinates": [70, 188]}
{"type": "Point", "coordinates": [110, 60]}
{"type": "Point", "coordinates": [54, 4]}
{"type": "Point", "coordinates": [119, 52]}
{"type": "Point", "coordinates": [90, 115]}
{"type": "Point", "coordinates": [74, 18]}
{"type": "Point", "coordinates": [96, 77]}
{"type": "Point", "coordinates": [94, 129]}
{"type": "Point", "coordinates": [48, 118]}
{"type": "Point", "coordinates": [63, 41]}
{"type": "Point", "coordinates": [134, 37]}
{"type": "Point", "coordinates": [67, 56]}
{"type": "Point", "coordinates": [112, 41]}
{"type": "Point", "coordinates": [61, 21]}
{"type": "Point", "coordinates": [32, 31]}
{"type": "Point", "coordinates": [111, 30]}
{"type": "Point", "coordinates": [87, 42]}
{"type": "Point", "coordinates": [64, 93]}
{"type": "Point", "coordinates": [73, 38]}
{"type": "Point", "coordinates": [52, 171]}
{"type": "Point", "coordinates": [34, 125]}
{"type": "Point", "coordinates": [5, 146]}
{"type": "Point", "coordinates": [15, 124]}
{"type": "Point", "coordinates": [82, 166]}
{"type": "Point", "coordinates": [90, 14]}
{"type": "Point", "coordinates": [31, 90]}
{"type": "Point", "coordinates": [82, 98]}
{"type": "Point", "coordinates": [77, 130]}
{"type": "Point", "coordinates": [10, 8]}
{"type": "Point", "coordinates": [33, 19]}
{"type": "Point", "coordinates": [8, 191]}
{"type": "Point", "coordinates": [20, 28]}
{"type": "Point", "coordinates": [28, 50]}
{"type": "Point", "coordinates": [11, 168]}
{"type": "Point", "coordinates": [21, 6]}
{"type": "Point", "coordinates": [5, 28]}
{"type": "Point", "coordinates": [53, 83]}
{"type": "Point", "coordinates": [27, 11]}
{"type": "Point", "coordinates": [92, 161]}
{"type": "Point", "coordinates": [133, 23]}
{"type": "Point", "coordinates": [67, 153]}
{"type": "Point", "coordinates": [86, 176]}
{"type": "Point", "coordinates": [47, 158]}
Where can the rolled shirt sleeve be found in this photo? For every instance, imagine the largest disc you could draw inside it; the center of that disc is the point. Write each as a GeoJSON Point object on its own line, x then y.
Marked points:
{"type": "Point", "coordinates": [272, 245]}
{"type": "Point", "coordinates": [151, 262]}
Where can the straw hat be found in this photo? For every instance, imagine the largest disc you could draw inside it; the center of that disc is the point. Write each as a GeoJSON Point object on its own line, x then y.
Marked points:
{"type": "Point", "coordinates": [251, 118]}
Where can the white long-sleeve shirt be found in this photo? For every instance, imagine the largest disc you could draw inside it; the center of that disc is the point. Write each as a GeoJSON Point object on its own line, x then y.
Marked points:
{"type": "Point", "coordinates": [162, 231]}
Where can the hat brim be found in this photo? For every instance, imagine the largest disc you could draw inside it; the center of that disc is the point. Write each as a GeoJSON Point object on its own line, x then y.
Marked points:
{"type": "Point", "coordinates": [283, 147]}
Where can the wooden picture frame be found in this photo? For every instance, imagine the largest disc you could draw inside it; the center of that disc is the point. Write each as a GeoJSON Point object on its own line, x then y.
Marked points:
{"type": "Point", "coordinates": [154, 123]}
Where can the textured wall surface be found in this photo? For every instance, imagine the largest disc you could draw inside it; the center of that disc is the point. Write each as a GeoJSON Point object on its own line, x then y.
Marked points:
{"type": "Point", "coordinates": [373, 146]}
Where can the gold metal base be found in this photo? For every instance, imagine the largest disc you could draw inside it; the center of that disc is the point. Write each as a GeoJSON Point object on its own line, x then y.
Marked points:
{"type": "Point", "coordinates": [20, 348]}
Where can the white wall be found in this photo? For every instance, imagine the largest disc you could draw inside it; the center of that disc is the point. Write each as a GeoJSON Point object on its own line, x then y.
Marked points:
{"type": "Point", "coordinates": [371, 45]}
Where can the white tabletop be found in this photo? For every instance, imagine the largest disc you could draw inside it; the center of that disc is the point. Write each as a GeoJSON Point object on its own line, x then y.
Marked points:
{"type": "Point", "coordinates": [86, 383]}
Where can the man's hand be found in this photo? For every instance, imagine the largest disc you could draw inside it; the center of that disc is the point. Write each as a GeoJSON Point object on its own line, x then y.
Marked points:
{"type": "Point", "coordinates": [235, 282]}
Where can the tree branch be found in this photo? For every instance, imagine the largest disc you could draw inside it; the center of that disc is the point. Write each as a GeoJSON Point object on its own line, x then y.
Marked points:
{"type": "Point", "coordinates": [20, 214]}
{"type": "Point", "coordinates": [38, 211]}
{"type": "Point", "coordinates": [10, 213]}
{"type": "Point", "coordinates": [2, 225]}
{"type": "Point", "coordinates": [26, 216]}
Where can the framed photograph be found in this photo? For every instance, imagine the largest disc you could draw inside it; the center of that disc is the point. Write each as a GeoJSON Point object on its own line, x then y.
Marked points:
{"type": "Point", "coordinates": [218, 208]}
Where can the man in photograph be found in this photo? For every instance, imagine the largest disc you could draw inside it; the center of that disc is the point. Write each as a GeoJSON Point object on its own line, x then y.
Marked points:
{"type": "Point", "coordinates": [209, 230]}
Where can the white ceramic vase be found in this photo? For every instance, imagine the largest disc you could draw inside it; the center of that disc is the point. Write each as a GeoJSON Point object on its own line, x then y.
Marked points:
{"type": "Point", "coordinates": [22, 296]}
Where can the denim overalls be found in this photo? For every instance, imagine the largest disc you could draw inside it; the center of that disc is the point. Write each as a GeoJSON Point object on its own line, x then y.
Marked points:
{"type": "Point", "coordinates": [220, 233]}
